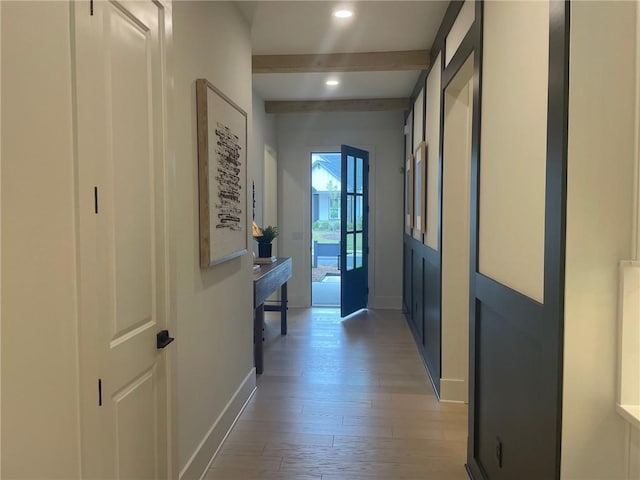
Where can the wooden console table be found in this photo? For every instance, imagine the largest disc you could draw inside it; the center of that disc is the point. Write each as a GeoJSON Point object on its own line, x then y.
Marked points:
{"type": "Point", "coordinates": [266, 281]}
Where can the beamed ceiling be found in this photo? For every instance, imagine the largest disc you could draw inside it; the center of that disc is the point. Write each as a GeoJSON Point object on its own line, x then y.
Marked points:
{"type": "Point", "coordinates": [377, 55]}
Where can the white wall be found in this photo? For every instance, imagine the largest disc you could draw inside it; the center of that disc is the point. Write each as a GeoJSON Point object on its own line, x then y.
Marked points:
{"type": "Point", "coordinates": [432, 119]}
{"type": "Point", "coordinates": [418, 138]}
{"type": "Point", "coordinates": [599, 212]}
{"type": "Point", "coordinates": [514, 144]}
{"type": "Point", "coordinates": [264, 135]}
{"type": "Point", "coordinates": [408, 200]}
{"type": "Point", "coordinates": [40, 421]}
{"type": "Point", "coordinates": [381, 134]}
{"type": "Point", "coordinates": [459, 29]}
{"type": "Point", "coordinates": [214, 306]}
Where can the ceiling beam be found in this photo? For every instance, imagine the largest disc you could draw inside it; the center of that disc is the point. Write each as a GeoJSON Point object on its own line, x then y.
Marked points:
{"type": "Point", "coordinates": [355, 105]}
{"type": "Point", "coordinates": [342, 62]}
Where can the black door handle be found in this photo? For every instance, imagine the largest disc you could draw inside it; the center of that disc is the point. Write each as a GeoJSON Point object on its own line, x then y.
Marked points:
{"type": "Point", "coordinates": [163, 339]}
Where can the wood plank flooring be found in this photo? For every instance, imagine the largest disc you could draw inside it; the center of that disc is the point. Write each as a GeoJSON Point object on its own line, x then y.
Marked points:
{"type": "Point", "coordinates": [343, 399]}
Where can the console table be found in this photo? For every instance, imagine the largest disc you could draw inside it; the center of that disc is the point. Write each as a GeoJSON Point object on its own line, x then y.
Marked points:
{"type": "Point", "coordinates": [266, 281]}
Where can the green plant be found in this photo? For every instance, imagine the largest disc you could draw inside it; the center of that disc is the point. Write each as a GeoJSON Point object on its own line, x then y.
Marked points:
{"type": "Point", "coordinates": [315, 225]}
{"type": "Point", "coordinates": [269, 233]}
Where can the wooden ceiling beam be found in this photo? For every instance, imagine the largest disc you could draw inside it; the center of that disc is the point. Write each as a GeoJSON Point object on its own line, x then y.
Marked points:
{"type": "Point", "coordinates": [355, 105]}
{"type": "Point", "coordinates": [342, 62]}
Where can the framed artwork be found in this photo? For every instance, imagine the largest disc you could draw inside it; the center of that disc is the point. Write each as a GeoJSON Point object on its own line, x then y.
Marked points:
{"type": "Point", "coordinates": [222, 175]}
{"type": "Point", "coordinates": [420, 178]}
{"type": "Point", "coordinates": [408, 191]}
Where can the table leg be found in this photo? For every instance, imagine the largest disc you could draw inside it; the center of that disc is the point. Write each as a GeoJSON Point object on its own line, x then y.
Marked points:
{"type": "Point", "coordinates": [283, 309]}
{"type": "Point", "coordinates": [258, 321]}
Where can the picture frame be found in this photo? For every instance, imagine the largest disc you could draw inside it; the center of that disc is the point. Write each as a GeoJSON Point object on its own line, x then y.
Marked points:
{"type": "Point", "coordinates": [420, 197]}
{"type": "Point", "coordinates": [222, 175]}
{"type": "Point", "coordinates": [409, 197]}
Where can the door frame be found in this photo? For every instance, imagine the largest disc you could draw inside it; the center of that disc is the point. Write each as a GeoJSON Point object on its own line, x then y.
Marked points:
{"type": "Point", "coordinates": [372, 204]}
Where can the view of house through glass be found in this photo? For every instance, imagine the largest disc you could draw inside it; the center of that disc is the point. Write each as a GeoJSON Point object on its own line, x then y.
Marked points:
{"type": "Point", "coordinates": [325, 229]}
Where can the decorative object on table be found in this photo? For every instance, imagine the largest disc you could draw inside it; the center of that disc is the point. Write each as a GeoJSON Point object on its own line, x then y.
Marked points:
{"type": "Point", "coordinates": [257, 231]}
{"type": "Point", "coordinates": [268, 234]}
{"type": "Point", "coordinates": [222, 175]}
{"type": "Point", "coordinates": [265, 260]}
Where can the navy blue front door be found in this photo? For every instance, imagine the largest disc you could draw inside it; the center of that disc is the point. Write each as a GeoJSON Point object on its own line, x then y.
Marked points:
{"type": "Point", "coordinates": [354, 231]}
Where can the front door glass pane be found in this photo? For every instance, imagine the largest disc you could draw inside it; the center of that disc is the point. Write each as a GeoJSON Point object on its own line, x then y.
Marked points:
{"type": "Point", "coordinates": [359, 175]}
{"type": "Point", "coordinates": [358, 250]}
{"type": "Point", "coordinates": [350, 173]}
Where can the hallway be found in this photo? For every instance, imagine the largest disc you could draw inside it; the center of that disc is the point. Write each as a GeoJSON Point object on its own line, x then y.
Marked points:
{"type": "Point", "coordinates": [344, 400]}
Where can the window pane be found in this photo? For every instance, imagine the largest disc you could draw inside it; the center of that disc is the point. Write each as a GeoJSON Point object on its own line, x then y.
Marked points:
{"type": "Point", "coordinates": [350, 172]}
{"type": "Point", "coordinates": [359, 174]}
{"type": "Point", "coordinates": [358, 251]}
{"type": "Point", "coordinates": [359, 215]}
{"type": "Point", "coordinates": [350, 248]}
{"type": "Point", "coordinates": [350, 224]}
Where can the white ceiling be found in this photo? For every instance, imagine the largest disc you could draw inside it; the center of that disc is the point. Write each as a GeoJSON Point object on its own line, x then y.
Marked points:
{"type": "Point", "coordinates": [308, 27]}
{"type": "Point", "coordinates": [310, 86]}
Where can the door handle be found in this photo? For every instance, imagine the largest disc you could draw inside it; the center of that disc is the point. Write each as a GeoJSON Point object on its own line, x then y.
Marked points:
{"type": "Point", "coordinates": [163, 339]}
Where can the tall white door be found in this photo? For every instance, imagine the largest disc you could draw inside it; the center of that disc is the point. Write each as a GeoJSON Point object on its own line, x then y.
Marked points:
{"type": "Point", "coordinates": [119, 58]}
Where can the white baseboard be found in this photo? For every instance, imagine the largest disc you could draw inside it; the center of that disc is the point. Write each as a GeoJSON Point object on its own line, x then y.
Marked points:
{"type": "Point", "coordinates": [385, 303]}
{"type": "Point", "coordinates": [198, 464]}
{"type": "Point", "coordinates": [453, 390]}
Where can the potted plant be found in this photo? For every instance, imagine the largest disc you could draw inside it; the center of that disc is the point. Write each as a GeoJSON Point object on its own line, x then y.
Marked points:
{"type": "Point", "coordinates": [269, 233]}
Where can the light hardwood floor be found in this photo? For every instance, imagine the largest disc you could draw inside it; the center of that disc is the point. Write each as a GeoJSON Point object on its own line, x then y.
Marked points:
{"type": "Point", "coordinates": [343, 399]}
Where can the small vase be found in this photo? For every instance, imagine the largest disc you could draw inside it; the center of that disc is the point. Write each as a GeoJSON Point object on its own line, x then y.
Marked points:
{"type": "Point", "coordinates": [264, 250]}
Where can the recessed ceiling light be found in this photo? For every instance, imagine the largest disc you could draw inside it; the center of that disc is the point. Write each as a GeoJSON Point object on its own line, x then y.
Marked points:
{"type": "Point", "coordinates": [343, 13]}
{"type": "Point", "coordinates": [332, 83]}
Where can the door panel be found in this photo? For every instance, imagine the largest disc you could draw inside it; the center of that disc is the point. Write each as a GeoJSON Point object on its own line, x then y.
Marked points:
{"type": "Point", "coordinates": [131, 165]}
{"type": "Point", "coordinates": [135, 427]}
{"type": "Point", "coordinates": [432, 341]}
{"type": "Point", "coordinates": [354, 240]}
{"type": "Point", "coordinates": [119, 80]}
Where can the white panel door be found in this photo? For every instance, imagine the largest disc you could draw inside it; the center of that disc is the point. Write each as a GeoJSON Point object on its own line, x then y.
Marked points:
{"type": "Point", "coordinates": [119, 90]}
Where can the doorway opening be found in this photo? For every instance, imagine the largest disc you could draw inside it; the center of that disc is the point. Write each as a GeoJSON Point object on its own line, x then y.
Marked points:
{"type": "Point", "coordinates": [326, 191]}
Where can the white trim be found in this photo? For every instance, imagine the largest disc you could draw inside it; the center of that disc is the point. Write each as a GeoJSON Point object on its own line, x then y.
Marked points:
{"type": "Point", "coordinates": [169, 179]}
{"type": "Point", "coordinates": [453, 390]}
{"type": "Point", "coordinates": [205, 453]}
{"type": "Point", "coordinates": [635, 245]}
{"type": "Point", "coordinates": [631, 413]}
{"type": "Point", "coordinates": [627, 451]}
{"type": "Point", "coordinates": [632, 416]}
{"type": "Point", "coordinates": [628, 397]}
{"type": "Point", "coordinates": [0, 234]}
